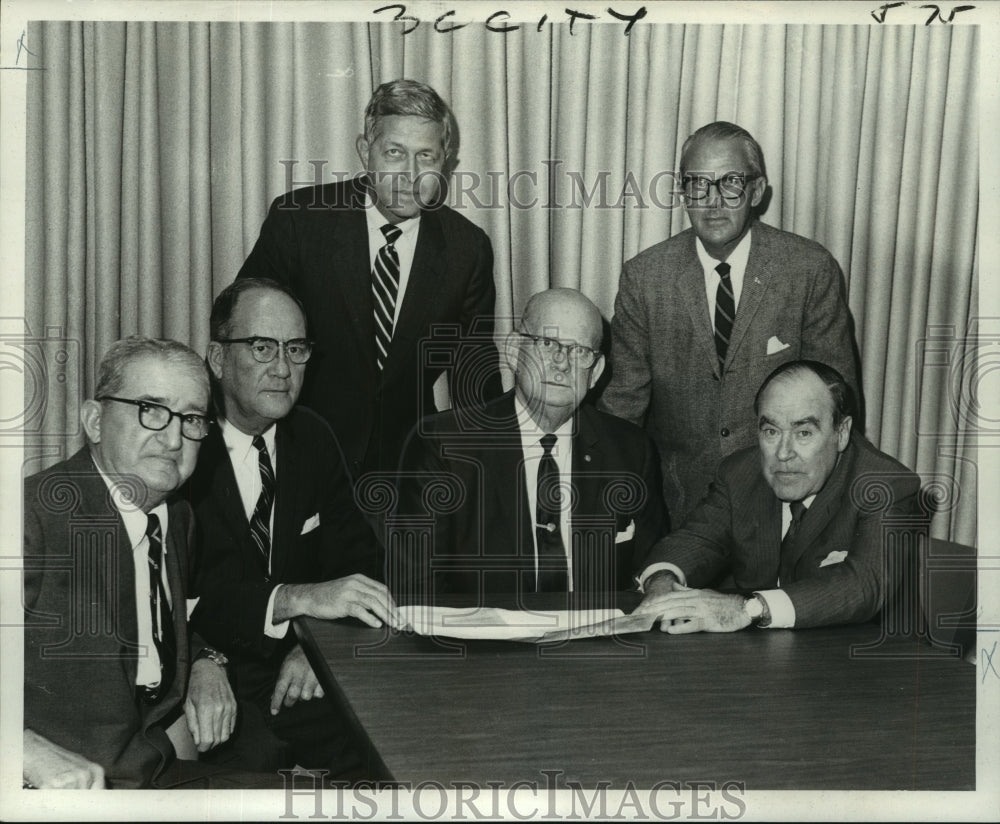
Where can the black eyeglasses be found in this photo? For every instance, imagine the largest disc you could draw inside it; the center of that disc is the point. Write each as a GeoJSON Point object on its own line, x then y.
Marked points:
{"type": "Point", "coordinates": [265, 350]}
{"type": "Point", "coordinates": [575, 353]}
{"type": "Point", "coordinates": [156, 417]}
{"type": "Point", "coordinates": [730, 186]}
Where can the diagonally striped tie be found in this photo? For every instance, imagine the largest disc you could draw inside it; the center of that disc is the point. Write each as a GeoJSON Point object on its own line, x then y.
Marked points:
{"type": "Point", "coordinates": [385, 287]}
{"type": "Point", "coordinates": [725, 311]}
{"type": "Point", "coordinates": [260, 523]}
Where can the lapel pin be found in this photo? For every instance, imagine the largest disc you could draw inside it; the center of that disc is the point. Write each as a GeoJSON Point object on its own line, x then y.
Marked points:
{"type": "Point", "coordinates": [586, 458]}
{"type": "Point", "coordinates": [757, 281]}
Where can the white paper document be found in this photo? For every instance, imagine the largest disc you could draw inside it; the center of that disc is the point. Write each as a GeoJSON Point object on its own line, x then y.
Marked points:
{"type": "Point", "coordinates": [521, 625]}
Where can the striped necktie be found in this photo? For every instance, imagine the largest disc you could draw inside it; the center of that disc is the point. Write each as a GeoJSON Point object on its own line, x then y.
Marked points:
{"type": "Point", "coordinates": [552, 571]}
{"type": "Point", "coordinates": [260, 523]}
{"type": "Point", "coordinates": [725, 311]}
{"type": "Point", "coordinates": [385, 287]}
{"type": "Point", "coordinates": [164, 639]}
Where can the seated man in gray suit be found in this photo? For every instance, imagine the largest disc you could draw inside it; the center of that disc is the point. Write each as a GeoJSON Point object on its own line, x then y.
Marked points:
{"type": "Point", "coordinates": [532, 492]}
{"type": "Point", "coordinates": [107, 653]}
{"type": "Point", "coordinates": [703, 317]}
{"type": "Point", "coordinates": [806, 522]}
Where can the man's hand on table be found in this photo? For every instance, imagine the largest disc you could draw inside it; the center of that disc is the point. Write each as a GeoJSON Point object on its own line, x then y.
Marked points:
{"type": "Point", "coordinates": [296, 681]}
{"type": "Point", "coordinates": [355, 596]}
{"type": "Point", "coordinates": [210, 706]}
{"type": "Point", "coordinates": [48, 766]}
{"type": "Point", "coordinates": [682, 610]}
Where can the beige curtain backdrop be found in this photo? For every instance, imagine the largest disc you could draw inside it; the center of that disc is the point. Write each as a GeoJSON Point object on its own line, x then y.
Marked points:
{"type": "Point", "coordinates": [154, 150]}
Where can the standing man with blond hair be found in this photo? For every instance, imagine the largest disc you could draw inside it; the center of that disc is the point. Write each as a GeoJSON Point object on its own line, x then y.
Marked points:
{"type": "Point", "coordinates": [380, 264]}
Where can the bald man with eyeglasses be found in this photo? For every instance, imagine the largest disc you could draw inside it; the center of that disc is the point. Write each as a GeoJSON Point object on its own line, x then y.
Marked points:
{"type": "Point", "coordinates": [703, 317]}
{"type": "Point", "coordinates": [279, 532]}
{"type": "Point", "coordinates": [535, 492]}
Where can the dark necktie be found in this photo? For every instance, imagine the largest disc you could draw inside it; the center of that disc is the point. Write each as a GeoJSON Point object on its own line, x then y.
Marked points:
{"type": "Point", "coordinates": [552, 575]}
{"type": "Point", "coordinates": [725, 311]}
{"type": "Point", "coordinates": [159, 609]}
{"type": "Point", "coordinates": [385, 287]}
{"type": "Point", "coordinates": [260, 523]}
{"type": "Point", "coordinates": [798, 511]}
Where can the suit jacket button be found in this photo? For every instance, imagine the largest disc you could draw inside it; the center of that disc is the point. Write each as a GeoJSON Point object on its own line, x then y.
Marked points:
{"type": "Point", "coordinates": [724, 432]}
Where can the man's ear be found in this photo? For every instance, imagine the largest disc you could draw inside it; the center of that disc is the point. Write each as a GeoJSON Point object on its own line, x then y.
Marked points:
{"type": "Point", "coordinates": [759, 187]}
{"type": "Point", "coordinates": [596, 371]}
{"type": "Point", "coordinates": [90, 416]}
{"type": "Point", "coordinates": [363, 148]}
{"type": "Point", "coordinates": [844, 433]}
{"type": "Point", "coordinates": [213, 357]}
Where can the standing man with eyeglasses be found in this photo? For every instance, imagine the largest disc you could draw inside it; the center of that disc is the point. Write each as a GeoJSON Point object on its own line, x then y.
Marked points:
{"type": "Point", "coordinates": [703, 317]}
{"type": "Point", "coordinates": [279, 532]}
{"type": "Point", "coordinates": [535, 492]}
{"type": "Point", "coordinates": [108, 660]}
{"type": "Point", "coordinates": [381, 264]}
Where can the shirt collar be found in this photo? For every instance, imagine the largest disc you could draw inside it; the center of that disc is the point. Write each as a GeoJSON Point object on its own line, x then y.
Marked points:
{"type": "Point", "coordinates": [531, 434]}
{"type": "Point", "coordinates": [239, 444]}
{"type": "Point", "coordinates": [376, 220]}
{"type": "Point", "coordinates": [737, 258]}
{"type": "Point", "coordinates": [133, 517]}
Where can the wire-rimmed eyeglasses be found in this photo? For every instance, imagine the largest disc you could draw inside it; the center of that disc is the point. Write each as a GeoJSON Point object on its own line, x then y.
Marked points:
{"type": "Point", "coordinates": [575, 353]}
{"type": "Point", "coordinates": [156, 417]}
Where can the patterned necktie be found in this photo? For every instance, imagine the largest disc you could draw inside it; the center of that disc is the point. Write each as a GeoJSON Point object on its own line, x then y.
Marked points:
{"type": "Point", "coordinates": [798, 511]}
{"type": "Point", "coordinates": [260, 524]}
{"type": "Point", "coordinates": [552, 572]}
{"type": "Point", "coordinates": [725, 311]}
{"type": "Point", "coordinates": [162, 621]}
{"type": "Point", "coordinates": [385, 287]}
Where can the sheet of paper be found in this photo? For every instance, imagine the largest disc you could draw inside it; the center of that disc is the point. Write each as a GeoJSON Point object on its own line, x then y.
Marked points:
{"type": "Point", "coordinates": [521, 625]}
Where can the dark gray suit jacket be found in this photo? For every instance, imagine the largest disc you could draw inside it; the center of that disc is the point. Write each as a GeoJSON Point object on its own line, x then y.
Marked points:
{"type": "Point", "coordinates": [869, 503]}
{"type": "Point", "coordinates": [665, 372]}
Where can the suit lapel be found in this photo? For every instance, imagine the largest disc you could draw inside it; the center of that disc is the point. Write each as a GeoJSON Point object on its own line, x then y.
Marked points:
{"type": "Point", "coordinates": [286, 494]}
{"type": "Point", "coordinates": [764, 510]}
{"type": "Point", "coordinates": [350, 256]}
{"type": "Point", "coordinates": [824, 507]}
{"type": "Point", "coordinates": [427, 278]}
{"type": "Point", "coordinates": [588, 470]}
{"type": "Point", "coordinates": [756, 280]}
{"type": "Point", "coordinates": [691, 283]}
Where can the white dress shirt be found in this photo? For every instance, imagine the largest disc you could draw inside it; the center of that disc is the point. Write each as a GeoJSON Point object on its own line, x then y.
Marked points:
{"type": "Point", "coordinates": [737, 261]}
{"type": "Point", "coordinates": [135, 521]}
{"type": "Point", "coordinates": [405, 246]}
{"type": "Point", "coordinates": [562, 453]}
{"type": "Point", "coordinates": [245, 458]}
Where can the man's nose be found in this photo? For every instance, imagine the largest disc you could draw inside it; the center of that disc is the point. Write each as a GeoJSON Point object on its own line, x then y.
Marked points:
{"type": "Point", "coordinates": [560, 359]}
{"type": "Point", "coordinates": [786, 448]}
{"type": "Point", "coordinates": [170, 436]}
{"type": "Point", "coordinates": [280, 366]}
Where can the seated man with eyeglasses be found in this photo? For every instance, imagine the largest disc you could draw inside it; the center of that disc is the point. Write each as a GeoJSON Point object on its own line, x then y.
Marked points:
{"type": "Point", "coordinates": [534, 491]}
{"type": "Point", "coordinates": [703, 317]}
{"type": "Point", "coordinates": [108, 658]}
{"type": "Point", "coordinates": [279, 533]}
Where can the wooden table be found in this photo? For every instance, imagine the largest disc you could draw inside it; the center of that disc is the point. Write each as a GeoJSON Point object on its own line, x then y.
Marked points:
{"type": "Point", "coordinates": [773, 709]}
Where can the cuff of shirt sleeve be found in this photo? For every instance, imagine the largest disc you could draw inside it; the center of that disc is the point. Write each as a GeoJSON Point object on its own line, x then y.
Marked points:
{"type": "Point", "coordinates": [662, 566]}
{"type": "Point", "coordinates": [272, 630]}
{"type": "Point", "coordinates": [781, 608]}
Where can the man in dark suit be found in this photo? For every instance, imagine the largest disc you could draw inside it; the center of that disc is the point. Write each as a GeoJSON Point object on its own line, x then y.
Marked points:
{"type": "Point", "coordinates": [812, 524]}
{"type": "Point", "coordinates": [703, 317]}
{"type": "Point", "coordinates": [534, 491]}
{"type": "Point", "coordinates": [381, 265]}
{"type": "Point", "coordinates": [280, 532]}
{"type": "Point", "coordinates": [107, 655]}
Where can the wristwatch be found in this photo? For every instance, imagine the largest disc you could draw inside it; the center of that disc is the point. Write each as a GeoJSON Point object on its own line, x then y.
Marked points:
{"type": "Point", "coordinates": [213, 655]}
{"type": "Point", "coordinates": [756, 610]}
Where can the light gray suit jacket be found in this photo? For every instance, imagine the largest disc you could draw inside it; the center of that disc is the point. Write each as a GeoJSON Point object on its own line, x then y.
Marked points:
{"type": "Point", "coordinates": [665, 372]}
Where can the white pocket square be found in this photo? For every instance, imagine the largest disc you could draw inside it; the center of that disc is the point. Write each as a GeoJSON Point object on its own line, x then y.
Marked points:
{"type": "Point", "coordinates": [774, 345]}
{"type": "Point", "coordinates": [310, 524]}
{"type": "Point", "coordinates": [626, 534]}
{"type": "Point", "coordinates": [834, 557]}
